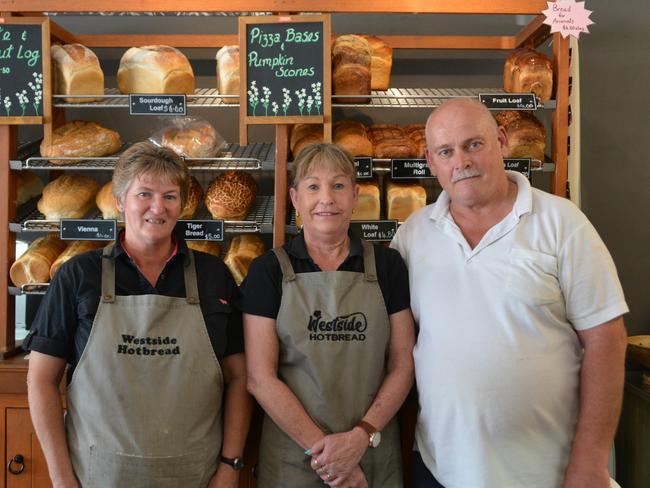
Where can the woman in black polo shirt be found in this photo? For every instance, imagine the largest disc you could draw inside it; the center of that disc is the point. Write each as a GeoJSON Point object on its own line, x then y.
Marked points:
{"type": "Point", "coordinates": [329, 339]}
{"type": "Point", "coordinates": [156, 383]}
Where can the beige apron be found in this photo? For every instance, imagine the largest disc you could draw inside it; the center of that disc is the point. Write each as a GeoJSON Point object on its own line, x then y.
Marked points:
{"type": "Point", "coordinates": [144, 404]}
{"type": "Point", "coordinates": [333, 331]}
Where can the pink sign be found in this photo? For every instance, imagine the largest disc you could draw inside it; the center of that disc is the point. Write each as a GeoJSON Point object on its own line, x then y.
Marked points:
{"type": "Point", "coordinates": [567, 17]}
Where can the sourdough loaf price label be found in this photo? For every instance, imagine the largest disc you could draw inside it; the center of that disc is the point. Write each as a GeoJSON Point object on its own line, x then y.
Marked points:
{"type": "Point", "coordinates": [520, 165]}
{"type": "Point", "coordinates": [88, 230]}
{"type": "Point", "coordinates": [374, 230]}
{"type": "Point", "coordinates": [201, 230]}
{"type": "Point", "coordinates": [363, 167]}
{"type": "Point", "coordinates": [509, 101]}
{"type": "Point", "coordinates": [157, 104]}
{"type": "Point", "coordinates": [410, 168]}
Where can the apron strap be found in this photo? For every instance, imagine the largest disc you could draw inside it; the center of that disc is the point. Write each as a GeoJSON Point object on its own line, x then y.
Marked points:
{"type": "Point", "coordinates": [191, 287]}
{"type": "Point", "coordinates": [285, 265]}
{"type": "Point", "coordinates": [369, 266]}
{"type": "Point", "coordinates": [108, 275]}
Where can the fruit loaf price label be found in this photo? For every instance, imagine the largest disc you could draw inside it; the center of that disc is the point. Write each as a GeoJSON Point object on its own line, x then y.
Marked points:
{"type": "Point", "coordinates": [201, 230]}
{"type": "Point", "coordinates": [374, 230]}
{"type": "Point", "coordinates": [157, 104]}
{"type": "Point", "coordinates": [88, 230]}
{"type": "Point", "coordinates": [520, 165]}
{"type": "Point", "coordinates": [509, 101]}
{"type": "Point", "coordinates": [410, 168]}
{"type": "Point", "coordinates": [363, 167]}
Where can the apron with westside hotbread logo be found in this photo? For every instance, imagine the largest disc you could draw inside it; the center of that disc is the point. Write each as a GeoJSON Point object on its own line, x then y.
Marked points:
{"type": "Point", "coordinates": [333, 330]}
{"type": "Point", "coordinates": [144, 404]}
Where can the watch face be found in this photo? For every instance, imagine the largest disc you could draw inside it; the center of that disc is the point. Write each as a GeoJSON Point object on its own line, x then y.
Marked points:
{"type": "Point", "coordinates": [238, 463]}
{"type": "Point", "coordinates": [375, 439]}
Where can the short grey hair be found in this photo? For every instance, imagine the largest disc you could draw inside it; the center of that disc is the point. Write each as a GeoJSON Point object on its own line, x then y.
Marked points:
{"type": "Point", "coordinates": [322, 155]}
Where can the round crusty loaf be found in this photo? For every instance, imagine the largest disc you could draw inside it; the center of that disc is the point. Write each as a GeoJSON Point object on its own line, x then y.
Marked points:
{"type": "Point", "coordinates": [74, 248]}
{"type": "Point", "coordinates": [69, 196]}
{"type": "Point", "coordinates": [76, 71]}
{"type": "Point", "coordinates": [155, 69]}
{"type": "Point", "coordinates": [34, 265]}
{"type": "Point", "coordinates": [105, 201]}
{"type": "Point", "coordinates": [231, 195]}
{"type": "Point", "coordinates": [81, 139]}
{"type": "Point", "coordinates": [194, 197]}
{"type": "Point", "coordinates": [209, 247]}
{"type": "Point", "coordinates": [28, 185]}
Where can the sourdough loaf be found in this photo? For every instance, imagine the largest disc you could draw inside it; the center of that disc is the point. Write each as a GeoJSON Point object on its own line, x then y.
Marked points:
{"type": "Point", "coordinates": [155, 69]}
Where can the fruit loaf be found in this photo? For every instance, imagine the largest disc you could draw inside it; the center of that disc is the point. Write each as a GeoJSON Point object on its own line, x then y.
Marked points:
{"type": "Point", "coordinates": [155, 69]}
{"type": "Point", "coordinates": [241, 252]}
{"type": "Point", "coordinates": [228, 72]}
{"type": "Point", "coordinates": [380, 64]}
{"type": "Point", "coordinates": [69, 196]}
{"type": "Point", "coordinates": [351, 63]}
{"type": "Point", "coordinates": [74, 249]}
{"type": "Point", "coordinates": [34, 265]}
{"type": "Point", "coordinates": [231, 195]}
{"type": "Point", "coordinates": [527, 70]}
{"type": "Point", "coordinates": [76, 71]}
{"type": "Point", "coordinates": [80, 139]}
{"type": "Point", "coordinates": [402, 199]}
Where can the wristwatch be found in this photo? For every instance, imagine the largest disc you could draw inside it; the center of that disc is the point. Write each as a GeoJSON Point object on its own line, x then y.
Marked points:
{"type": "Point", "coordinates": [236, 463]}
{"type": "Point", "coordinates": [374, 436]}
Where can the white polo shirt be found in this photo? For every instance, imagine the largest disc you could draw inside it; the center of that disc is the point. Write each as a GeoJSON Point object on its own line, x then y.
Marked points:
{"type": "Point", "coordinates": [497, 358]}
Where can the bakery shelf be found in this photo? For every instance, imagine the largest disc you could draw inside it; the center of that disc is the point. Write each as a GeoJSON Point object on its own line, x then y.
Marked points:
{"type": "Point", "coordinates": [202, 97]}
{"type": "Point", "coordinates": [29, 289]}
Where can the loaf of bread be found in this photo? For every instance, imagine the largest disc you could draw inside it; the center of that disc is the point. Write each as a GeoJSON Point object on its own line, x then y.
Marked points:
{"type": "Point", "coordinates": [74, 248]}
{"type": "Point", "coordinates": [526, 134]}
{"type": "Point", "coordinates": [368, 206]}
{"type": "Point", "coordinates": [390, 142]}
{"type": "Point", "coordinates": [155, 69]}
{"type": "Point", "coordinates": [69, 196]}
{"type": "Point", "coordinates": [76, 71]}
{"type": "Point", "coordinates": [105, 202]}
{"type": "Point", "coordinates": [231, 195]}
{"type": "Point", "coordinates": [228, 72]}
{"type": "Point", "coordinates": [417, 135]}
{"type": "Point", "coordinates": [198, 140]}
{"type": "Point", "coordinates": [209, 247]}
{"type": "Point", "coordinates": [242, 250]}
{"type": "Point", "coordinates": [402, 199]}
{"type": "Point", "coordinates": [28, 186]}
{"type": "Point", "coordinates": [34, 265]}
{"type": "Point", "coordinates": [304, 135]}
{"type": "Point", "coordinates": [194, 198]}
{"type": "Point", "coordinates": [381, 63]}
{"type": "Point", "coordinates": [81, 139]}
{"type": "Point", "coordinates": [352, 136]}
{"type": "Point", "coordinates": [527, 70]}
{"type": "Point", "coordinates": [351, 63]}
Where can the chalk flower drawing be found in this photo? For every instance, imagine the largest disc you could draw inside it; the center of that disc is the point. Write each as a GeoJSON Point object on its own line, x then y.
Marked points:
{"type": "Point", "coordinates": [302, 94]}
{"type": "Point", "coordinates": [253, 96]}
{"type": "Point", "coordinates": [274, 108]}
{"type": "Point", "coordinates": [7, 104]}
{"type": "Point", "coordinates": [22, 100]}
{"type": "Point", "coordinates": [286, 95]}
{"type": "Point", "coordinates": [310, 103]}
{"type": "Point", "coordinates": [265, 99]}
{"type": "Point", "coordinates": [37, 88]}
{"type": "Point", "coordinates": [318, 101]}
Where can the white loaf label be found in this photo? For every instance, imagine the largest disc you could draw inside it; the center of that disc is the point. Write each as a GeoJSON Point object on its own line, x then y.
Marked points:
{"type": "Point", "coordinates": [374, 230]}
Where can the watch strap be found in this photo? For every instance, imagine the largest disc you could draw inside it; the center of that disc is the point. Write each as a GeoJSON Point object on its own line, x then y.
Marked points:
{"type": "Point", "coordinates": [367, 427]}
{"type": "Point", "coordinates": [237, 463]}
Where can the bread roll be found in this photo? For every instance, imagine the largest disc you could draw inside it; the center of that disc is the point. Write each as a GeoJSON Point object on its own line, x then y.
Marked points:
{"type": "Point", "coordinates": [194, 198]}
{"type": "Point", "coordinates": [69, 196]}
{"type": "Point", "coordinates": [304, 135]}
{"type": "Point", "coordinates": [76, 71]}
{"type": "Point", "coordinates": [81, 139]}
{"type": "Point", "coordinates": [105, 201]}
{"type": "Point", "coordinates": [155, 69]}
{"type": "Point", "coordinates": [402, 199]}
{"type": "Point", "coordinates": [242, 250]}
{"type": "Point", "coordinates": [34, 265]}
{"type": "Point", "coordinates": [527, 70]}
{"type": "Point", "coordinates": [351, 62]}
{"type": "Point", "coordinates": [380, 64]}
{"type": "Point", "coordinates": [28, 185]}
{"type": "Point", "coordinates": [352, 137]}
{"type": "Point", "coordinates": [231, 195]}
{"type": "Point", "coordinates": [228, 72]}
{"type": "Point", "coordinates": [391, 142]}
{"type": "Point", "coordinates": [74, 248]}
{"type": "Point", "coordinates": [209, 247]}
{"type": "Point", "coordinates": [417, 135]}
{"type": "Point", "coordinates": [526, 134]}
{"type": "Point", "coordinates": [368, 206]}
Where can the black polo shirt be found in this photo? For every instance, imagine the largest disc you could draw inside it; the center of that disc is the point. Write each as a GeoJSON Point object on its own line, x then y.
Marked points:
{"type": "Point", "coordinates": [262, 289]}
{"type": "Point", "coordinates": [64, 319]}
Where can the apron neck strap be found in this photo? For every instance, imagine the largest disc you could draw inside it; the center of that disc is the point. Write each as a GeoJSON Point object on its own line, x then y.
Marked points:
{"type": "Point", "coordinates": [285, 265]}
{"type": "Point", "coordinates": [191, 287]}
{"type": "Point", "coordinates": [108, 274]}
{"type": "Point", "coordinates": [370, 269]}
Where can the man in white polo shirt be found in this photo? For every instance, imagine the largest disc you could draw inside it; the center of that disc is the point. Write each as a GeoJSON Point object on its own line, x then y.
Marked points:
{"type": "Point", "coordinates": [520, 355]}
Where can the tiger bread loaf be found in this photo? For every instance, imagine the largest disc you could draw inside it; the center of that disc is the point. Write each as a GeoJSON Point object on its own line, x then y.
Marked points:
{"type": "Point", "coordinates": [352, 137]}
{"type": "Point", "coordinates": [80, 139]}
{"type": "Point", "coordinates": [380, 64]}
{"type": "Point", "coordinates": [526, 70]}
{"type": "Point", "coordinates": [76, 71]}
{"type": "Point", "coordinates": [34, 265]}
{"type": "Point", "coordinates": [74, 249]}
{"type": "Point", "coordinates": [417, 135]}
{"type": "Point", "coordinates": [526, 134]}
{"type": "Point", "coordinates": [391, 142]}
{"type": "Point", "coordinates": [155, 69]}
{"type": "Point", "coordinates": [351, 65]}
{"type": "Point", "coordinates": [369, 203]}
{"type": "Point", "coordinates": [68, 196]}
{"type": "Point", "coordinates": [228, 72]}
{"type": "Point", "coordinates": [28, 186]}
{"type": "Point", "coordinates": [241, 252]}
{"type": "Point", "coordinates": [105, 201]}
{"type": "Point", "coordinates": [190, 137]}
{"type": "Point", "coordinates": [231, 195]}
{"type": "Point", "coordinates": [303, 135]}
{"type": "Point", "coordinates": [208, 247]}
{"type": "Point", "coordinates": [402, 199]}
{"type": "Point", "coordinates": [194, 198]}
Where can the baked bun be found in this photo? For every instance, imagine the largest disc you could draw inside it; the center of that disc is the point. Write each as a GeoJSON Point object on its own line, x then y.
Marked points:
{"type": "Point", "coordinates": [241, 252]}
{"type": "Point", "coordinates": [197, 141]}
{"type": "Point", "coordinates": [34, 265]}
{"type": "Point", "coordinates": [81, 139]}
{"type": "Point", "coordinates": [368, 206]}
{"type": "Point", "coordinates": [194, 198]}
{"type": "Point", "coordinates": [69, 196]}
{"type": "Point", "coordinates": [208, 247]}
{"type": "Point", "coordinates": [74, 249]}
{"type": "Point", "coordinates": [417, 135]}
{"type": "Point", "coordinates": [28, 186]}
{"type": "Point", "coordinates": [527, 70]}
{"type": "Point", "coordinates": [228, 72]}
{"type": "Point", "coordinates": [155, 69]}
{"type": "Point", "coordinates": [352, 137]}
{"type": "Point", "coordinates": [76, 71]}
{"type": "Point", "coordinates": [304, 135]}
{"type": "Point", "coordinates": [526, 134]}
{"type": "Point", "coordinates": [231, 195]}
{"type": "Point", "coordinates": [351, 62]}
{"type": "Point", "coordinates": [391, 142]}
{"type": "Point", "coordinates": [402, 199]}
{"type": "Point", "coordinates": [380, 64]}
{"type": "Point", "coordinates": [105, 201]}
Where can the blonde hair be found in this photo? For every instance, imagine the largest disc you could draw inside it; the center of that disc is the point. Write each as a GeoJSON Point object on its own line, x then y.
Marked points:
{"type": "Point", "coordinates": [322, 155]}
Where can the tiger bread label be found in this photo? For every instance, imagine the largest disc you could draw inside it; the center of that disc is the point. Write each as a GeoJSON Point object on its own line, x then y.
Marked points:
{"type": "Point", "coordinates": [88, 229]}
{"type": "Point", "coordinates": [374, 230]}
{"type": "Point", "coordinates": [201, 230]}
{"type": "Point", "coordinates": [410, 168]}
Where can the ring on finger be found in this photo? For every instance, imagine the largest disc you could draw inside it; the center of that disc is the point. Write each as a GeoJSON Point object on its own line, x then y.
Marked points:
{"type": "Point", "coordinates": [329, 476]}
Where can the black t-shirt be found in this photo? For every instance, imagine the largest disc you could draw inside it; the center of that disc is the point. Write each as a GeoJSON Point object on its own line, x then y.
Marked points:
{"type": "Point", "coordinates": [64, 320]}
{"type": "Point", "coordinates": [262, 289]}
